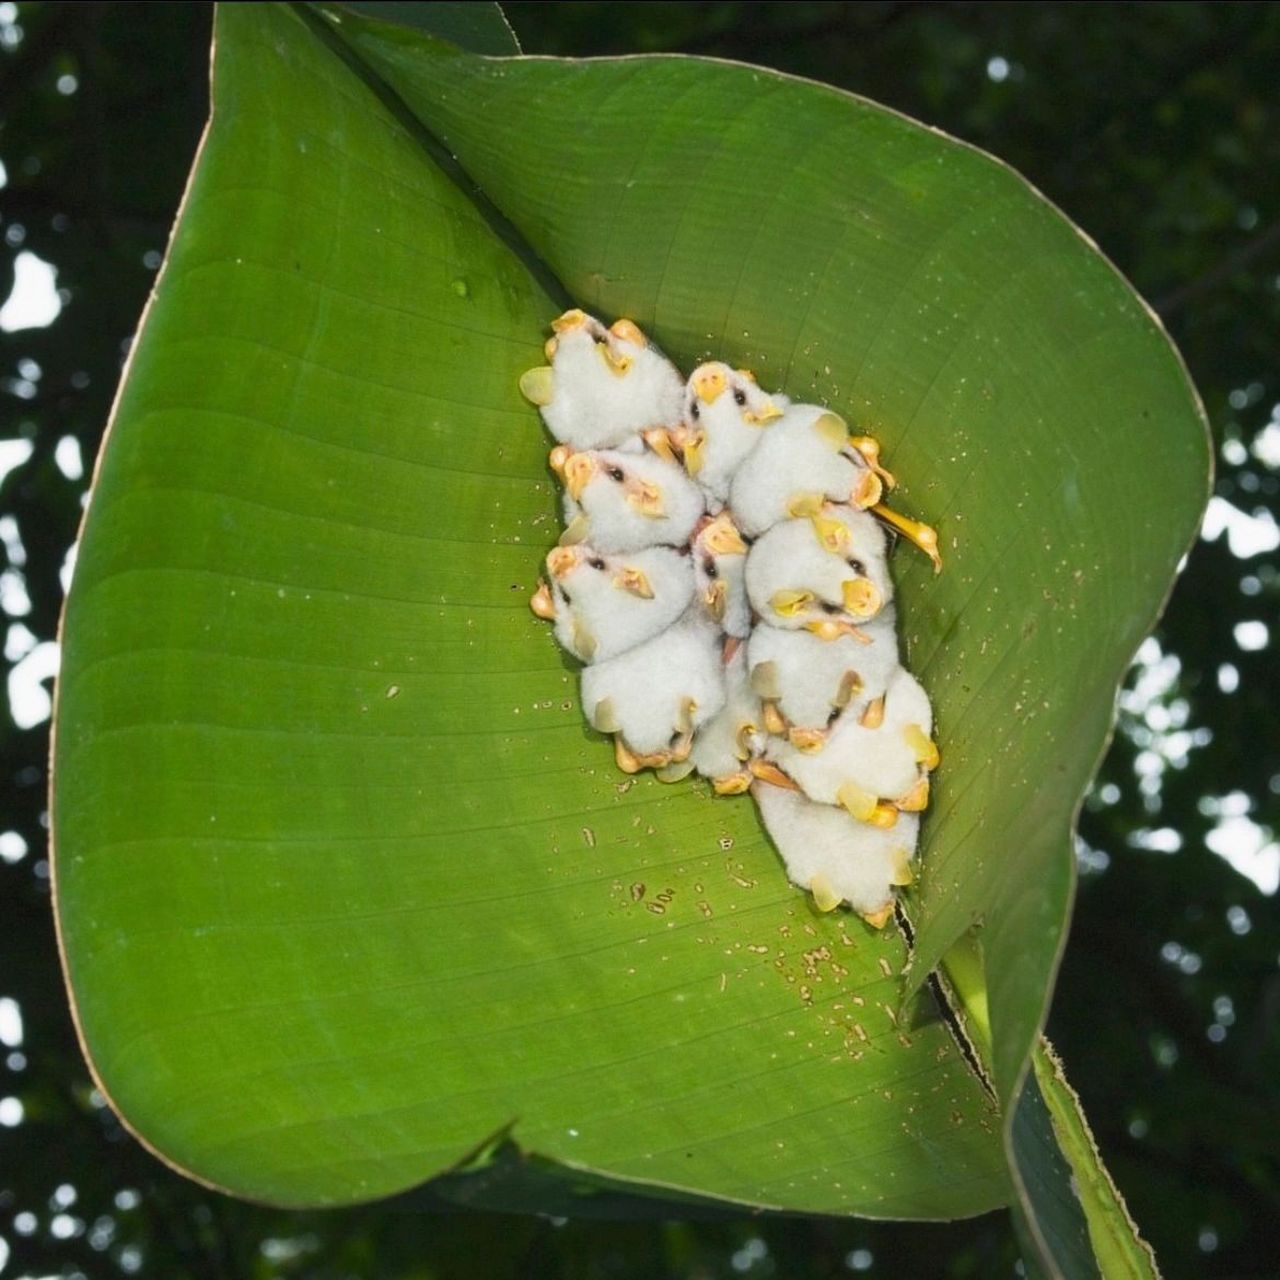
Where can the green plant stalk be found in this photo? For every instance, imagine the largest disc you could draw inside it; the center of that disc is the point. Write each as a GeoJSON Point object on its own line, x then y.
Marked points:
{"type": "Point", "coordinates": [1120, 1251]}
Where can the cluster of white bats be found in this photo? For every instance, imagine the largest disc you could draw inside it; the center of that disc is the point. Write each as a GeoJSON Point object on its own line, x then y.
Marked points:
{"type": "Point", "coordinates": [723, 577]}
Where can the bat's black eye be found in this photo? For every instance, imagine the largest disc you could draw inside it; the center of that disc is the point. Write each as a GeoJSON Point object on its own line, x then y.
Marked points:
{"type": "Point", "coordinates": [858, 567]}
{"type": "Point", "coordinates": [739, 397]}
{"type": "Point", "coordinates": [830, 608]}
{"type": "Point", "coordinates": [694, 412]}
{"type": "Point", "coordinates": [615, 473]}
{"type": "Point", "coordinates": [712, 571]}
{"type": "Point", "coordinates": [597, 563]}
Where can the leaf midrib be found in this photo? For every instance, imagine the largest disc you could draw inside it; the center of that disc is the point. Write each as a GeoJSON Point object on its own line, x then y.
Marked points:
{"type": "Point", "coordinates": [436, 152]}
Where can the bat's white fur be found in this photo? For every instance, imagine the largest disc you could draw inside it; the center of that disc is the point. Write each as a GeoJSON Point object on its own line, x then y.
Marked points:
{"type": "Point", "coordinates": [728, 435]}
{"type": "Point", "coordinates": [711, 567]}
{"type": "Point", "coordinates": [594, 407]}
{"type": "Point", "coordinates": [616, 520]}
{"type": "Point", "coordinates": [647, 688]}
{"type": "Point", "coordinates": [590, 602]}
{"type": "Point", "coordinates": [880, 761]}
{"type": "Point", "coordinates": [791, 557]}
{"type": "Point", "coordinates": [716, 750]}
{"type": "Point", "coordinates": [808, 672]}
{"type": "Point", "coordinates": [793, 459]}
{"type": "Point", "coordinates": [860, 863]}
{"type": "Point", "coordinates": [650, 620]}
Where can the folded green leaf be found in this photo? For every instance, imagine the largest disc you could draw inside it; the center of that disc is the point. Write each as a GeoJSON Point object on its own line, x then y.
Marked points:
{"type": "Point", "coordinates": [476, 27]}
{"type": "Point", "coordinates": [345, 886]}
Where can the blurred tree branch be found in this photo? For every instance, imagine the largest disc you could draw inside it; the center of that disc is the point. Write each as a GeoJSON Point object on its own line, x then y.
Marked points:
{"type": "Point", "coordinates": [1252, 249]}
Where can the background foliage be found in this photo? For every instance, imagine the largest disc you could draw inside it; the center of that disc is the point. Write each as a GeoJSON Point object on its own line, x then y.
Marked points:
{"type": "Point", "coordinates": [1157, 132]}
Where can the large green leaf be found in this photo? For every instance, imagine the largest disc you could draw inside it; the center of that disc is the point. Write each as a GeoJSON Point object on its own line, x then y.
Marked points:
{"type": "Point", "coordinates": [346, 889]}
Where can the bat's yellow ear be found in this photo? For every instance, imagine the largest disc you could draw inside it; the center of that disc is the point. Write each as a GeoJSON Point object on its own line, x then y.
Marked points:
{"type": "Point", "coordinates": [833, 534]}
{"type": "Point", "coordinates": [721, 537]}
{"type": "Point", "coordinates": [825, 898]}
{"type": "Point", "coordinates": [538, 385]}
{"type": "Point", "coordinates": [786, 604]}
{"type": "Point", "coordinates": [634, 581]}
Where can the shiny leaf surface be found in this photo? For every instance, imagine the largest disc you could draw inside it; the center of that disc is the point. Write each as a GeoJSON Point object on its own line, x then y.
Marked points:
{"type": "Point", "coordinates": [345, 886]}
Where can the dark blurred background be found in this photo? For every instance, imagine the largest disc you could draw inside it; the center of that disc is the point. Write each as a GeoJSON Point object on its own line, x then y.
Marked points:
{"type": "Point", "coordinates": [1157, 129]}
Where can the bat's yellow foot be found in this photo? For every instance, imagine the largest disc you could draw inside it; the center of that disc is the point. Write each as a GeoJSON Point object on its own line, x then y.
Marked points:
{"type": "Point", "coordinates": [916, 800]}
{"type": "Point", "coordinates": [869, 447]}
{"type": "Point", "coordinates": [570, 320]}
{"type": "Point", "coordinates": [630, 762]}
{"type": "Point", "coordinates": [924, 536]}
{"type": "Point", "coordinates": [884, 816]}
{"type": "Point", "coordinates": [764, 415]}
{"type": "Point", "coordinates": [773, 719]}
{"type": "Point", "coordinates": [733, 784]}
{"type": "Point", "coordinates": [770, 773]}
{"type": "Point", "coordinates": [878, 919]}
{"type": "Point", "coordinates": [629, 331]}
{"type": "Point", "coordinates": [807, 740]}
{"type": "Point", "coordinates": [626, 759]}
{"type": "Point", "coordinates": [873, 716]}
{"type": "Point", "coordinates": [867, 491]}
{"type": "Point", "coordinates": [832, 629]}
